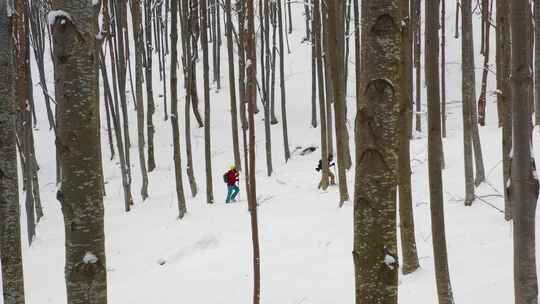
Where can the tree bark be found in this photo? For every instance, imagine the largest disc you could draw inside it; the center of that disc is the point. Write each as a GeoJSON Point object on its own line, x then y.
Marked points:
{"type": "Point", "coordinates": [336, 16]}
{"type": "Point", "coordinates": [232, 86]}
{"type": "Point", "coordinates": [251, 90]}
{"type": "Point", "coordinates": [537, 63]}
{"type": "Point", "coordinates": [10, 229]}
{"type": "Point", "coordinates": [80, 194]}
{"type": "Point", "coordinates": [504, 97]}
{"type": "Point", "coordinates": [486, 49]}
{"type": "Point", "coordinates": [149, 84]}
{"type": "Point", "coordinates": [377, 148]}
{"type": "Point", "coordinates": [180, 197]}
{"type": "Point", "coordinates": [444, 286]}
{"type": "Point", "coordinates": [323, 184]}
{"type": "Point", "coordinates": [406, 218]}
{"type": "Point", "coordinates": [417, 15]}
{"type": "Point", "coordinates": [468, 96]}
{"type": "Point", "coordinates": [207, 139]}
{"type": "Point", "coordinates": [138, 35]}
{"type": "Point", "coordinates": [282, 84]}
{"type": "Point", "coordinates": [524, 183]}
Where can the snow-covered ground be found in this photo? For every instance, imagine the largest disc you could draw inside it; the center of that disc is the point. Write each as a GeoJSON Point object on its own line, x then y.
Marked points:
{"type": "Point", "coordinates": [306, 240]}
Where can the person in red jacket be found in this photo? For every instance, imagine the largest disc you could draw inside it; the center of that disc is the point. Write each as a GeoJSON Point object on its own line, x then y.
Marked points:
{"type": "Point", "coordinates": [231, 178]}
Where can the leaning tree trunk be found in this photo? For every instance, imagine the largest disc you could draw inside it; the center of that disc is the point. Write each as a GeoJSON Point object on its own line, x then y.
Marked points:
{"type": "Point", "coordinates": [444, 286]}
{"type": "Point", "coordinates": [377, 148]}
{"type": "Point", "coordinates": [524, 182]}
{"type": "Point", "coordinates": [180, 197]}
{"type": "Point", "coordinates": [138, 35]}
{"type": "Point", "coordinates": [10, 229]}
{"type": "Point", "coordinates": [336, 21]}
{"type": "Point", "coordinates": [406, 218]}
{"type": "Point", "coordinates": [80, 195]}
{"type": "Point", "coordinates": [504, 98]}
{"type": "Point", "coordinates": [251, 90]}
{"type": "Point", "coordinates": [468, 96]}
{"type": "Point", "coordinates": [22, 96]}
{"type": "Point", "coordinates": [207, 142]}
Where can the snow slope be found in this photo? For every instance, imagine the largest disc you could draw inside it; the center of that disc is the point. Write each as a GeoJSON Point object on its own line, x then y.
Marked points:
{"type": "Point", "coordinates": [306, 240]}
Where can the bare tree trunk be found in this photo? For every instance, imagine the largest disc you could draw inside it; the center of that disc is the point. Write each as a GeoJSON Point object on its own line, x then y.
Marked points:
{"type": "Point", "coordinates": [329, 91]}
{"type": "Point", "coordinates": [406, 218]}
{"type": "Point", "coordinates": [80, 194]}
{"type": "Point", "coordinates": [323, 184]}
{"type": "Point", "coordinates": [251, 90]}
{"type": "Point", "coordinates": [524, 185]}
{"type": "Point", "coordinates": [537, 63]}
{"type": "Point", "coordinates": [182, 210]}
{"type": "Point", "coordinates": [115, 112]}
{"type": "Point", "coordinates": [282, 84]}
{"type": "Point", "coordinates": [10, 229]}
{"type": "Point", "coordinates": [120, 15]}
{"type": "Point", "coordinates": [207, 139]}
{"type": "Point", "coordinates": [336, 16]}
{"type": "Point", "coordinates": [191, 93]}
{"type": "Point", "coordinates": [138, 34]}
{"type": "Point", "coordinates": [468, 96]}
{"type": "Point", "coordinates": [504, 97]}
{"type": "Point", "coordinates": [308, 19]}
{"type": "Point", "coordinates": [149, 84]}
{"type": "Point", "coordinates": [417, 62]}
{"type": "Point", "coordinates": [377, 148]}
{"type": "Point", "coordinates": [22, 97]}
{"type": "Point", "coordinates": [443, 69]}
{"type": "Point", "coordinates": [232, 86]}
{"type": "Point", "coordinates": [486, 43]}
{"type": "Point", "coordinates": [313, 76]}
{"type": "Point", "coordinates": [444, 286]}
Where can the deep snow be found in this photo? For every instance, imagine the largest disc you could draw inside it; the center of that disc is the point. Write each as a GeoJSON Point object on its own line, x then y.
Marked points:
{"type": "Point", "coordinates": [306, 240]}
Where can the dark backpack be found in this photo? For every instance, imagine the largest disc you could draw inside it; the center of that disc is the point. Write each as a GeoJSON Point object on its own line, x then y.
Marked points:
{"type": "Point", "coordinates": [225, 178]}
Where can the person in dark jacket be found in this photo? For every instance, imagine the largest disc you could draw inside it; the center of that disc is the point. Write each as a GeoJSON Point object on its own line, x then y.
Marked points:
{"type": "Point", "coordinates": [331, 164]}
{"type": "Point", "coordinates": [231, 178]}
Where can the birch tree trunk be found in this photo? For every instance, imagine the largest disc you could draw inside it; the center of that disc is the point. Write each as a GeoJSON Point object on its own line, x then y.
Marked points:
{"type": "Point", "coordinates": [377, 148]}
{"type": "Point", "coordinates": [10, 228]}
{"type": "Point", "coordinates": [524, 184]}
{"type": "Point", "coordinates": [444, 286]}
{"type": "Point", "coordinates": [80, 195]}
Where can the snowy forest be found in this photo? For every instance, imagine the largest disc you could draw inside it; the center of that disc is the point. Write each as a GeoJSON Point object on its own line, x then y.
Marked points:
{"type": "Point", "coordinates": [269, 151]}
